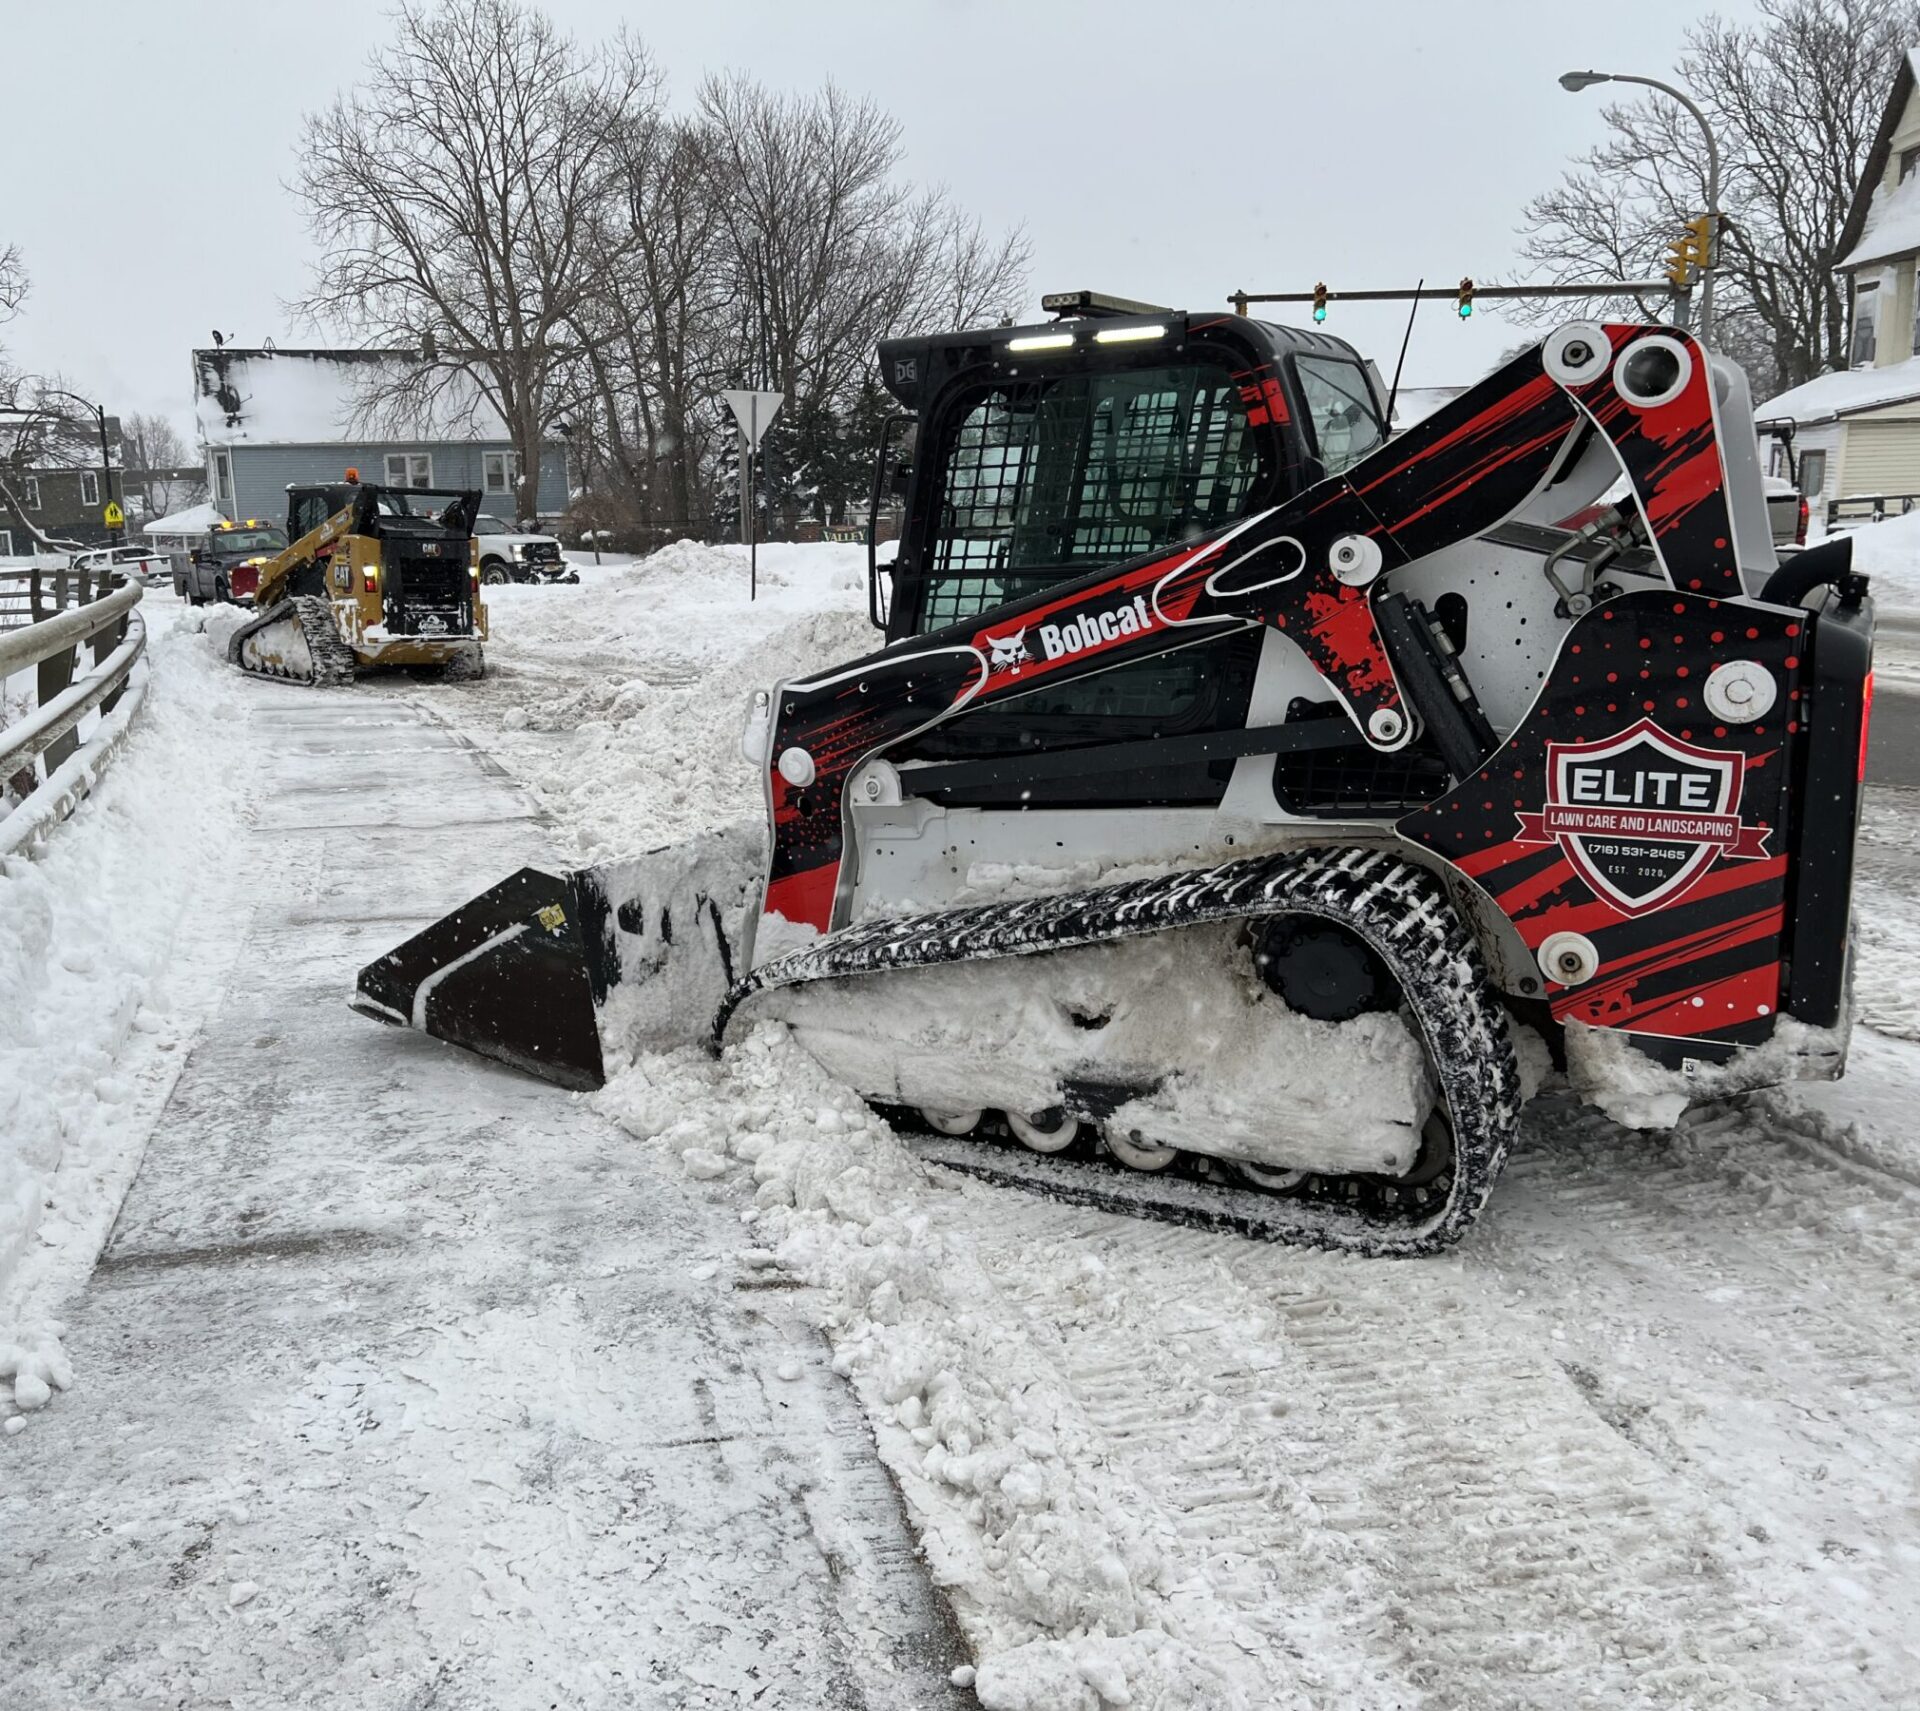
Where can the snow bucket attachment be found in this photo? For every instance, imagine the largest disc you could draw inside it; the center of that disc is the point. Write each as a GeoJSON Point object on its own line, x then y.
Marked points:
{"type": "Point", "coordinates": [554, 974]}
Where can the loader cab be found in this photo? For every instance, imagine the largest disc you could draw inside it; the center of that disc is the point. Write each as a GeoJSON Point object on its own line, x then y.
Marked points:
{"type": "Point", "coordinates": [406, 564]}
{"type": "Point", "coordinates": [1030, 456]}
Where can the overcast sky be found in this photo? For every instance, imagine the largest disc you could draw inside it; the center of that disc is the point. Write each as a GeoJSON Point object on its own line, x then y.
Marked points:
{"type": "Point", "coordinates": [1168, 152]}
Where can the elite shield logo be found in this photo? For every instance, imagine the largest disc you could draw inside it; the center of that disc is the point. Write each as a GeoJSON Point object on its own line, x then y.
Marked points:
{"type": "Point", "coordinates": [1641, 815]}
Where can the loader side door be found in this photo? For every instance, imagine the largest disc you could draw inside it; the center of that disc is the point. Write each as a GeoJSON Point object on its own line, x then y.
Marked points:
{"type": "Point", "coordinates": [1044, 479]}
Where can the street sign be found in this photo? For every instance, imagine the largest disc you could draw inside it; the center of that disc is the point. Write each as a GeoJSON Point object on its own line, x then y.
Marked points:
{"type": "Point", "coordinates": [754, 411]}
{"type": "Point", "coordinates": [113, 516]}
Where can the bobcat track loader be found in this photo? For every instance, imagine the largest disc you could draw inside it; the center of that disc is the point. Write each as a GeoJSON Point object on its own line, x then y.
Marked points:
{"type": "Point", "coordinates": [375, 576]}
{"type": "Point", "coordinates": [1237, 784]}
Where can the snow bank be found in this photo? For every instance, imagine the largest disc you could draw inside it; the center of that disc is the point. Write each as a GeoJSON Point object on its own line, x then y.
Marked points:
{"type": "Point", "coordinates": [643, 672]}
{"type": "Point", "coordinates": [1067, 1578]}
{"type": "Point", "coordinates": [1889, 552]}
{"type": "Point", "coordinates": [100, 985]}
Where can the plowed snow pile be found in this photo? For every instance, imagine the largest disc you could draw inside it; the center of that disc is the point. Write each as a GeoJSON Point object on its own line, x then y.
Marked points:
{"type": "Point", "coordinates": [620, 702]}
{"type": "Point", "coordinates": [110, 950]}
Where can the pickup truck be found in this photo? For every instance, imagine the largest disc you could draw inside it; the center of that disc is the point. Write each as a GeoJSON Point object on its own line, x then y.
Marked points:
{"type": "Point", "coordinates": [227, 568]}
{"type": "Point", "coordinates": [509, 556]}
{"type": "Point", "coordinates": [1786, 512]}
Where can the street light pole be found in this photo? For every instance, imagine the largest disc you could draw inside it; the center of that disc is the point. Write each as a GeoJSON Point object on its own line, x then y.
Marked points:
{"type": "Point", "coordinates": [1574, 81]}
{"type": "Point", "coordinates": [106, 452]}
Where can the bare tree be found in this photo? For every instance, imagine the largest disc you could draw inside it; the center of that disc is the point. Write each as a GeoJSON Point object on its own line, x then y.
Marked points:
{"type": "Point", "coordinates": [41, 427]}
{"type": "Point", "coordinates": [150, 442]}
{"type": "Point", "coordinates": [1794, 100]}
{"type": "Point", "coordinates": [13, 282]}
{"type": "Point", "coordinates": [649, 337]}
{"type": "Point", "coordinates": [453, 194]}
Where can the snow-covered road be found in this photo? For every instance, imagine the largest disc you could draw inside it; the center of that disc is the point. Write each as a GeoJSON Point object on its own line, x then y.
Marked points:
{"type": "Point", "coordinates": [406, 1385]}
{"type": "Point", "coordinates": [421, 1351]}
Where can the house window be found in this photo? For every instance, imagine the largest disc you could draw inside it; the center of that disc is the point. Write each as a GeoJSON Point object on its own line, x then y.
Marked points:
{"type": "Point", "coordinates": [1866, 316]}
{"type": "Point", "coordinates": [502, 472]}
{"type": "Point", "coordinates": [33, 494]}
{"type": "Point", "coordinates": [89, 487]}
{"type": "Point", "coordinates": [223, 482]}
{"type": "Point", "coordinates": [1909, 159]}
{"type": "Point", "coordinates": [409, 469]}
{"type": "Point", "coordinates": [1813, 473]}
{"type": "Point", "coordinates": [6, 543]}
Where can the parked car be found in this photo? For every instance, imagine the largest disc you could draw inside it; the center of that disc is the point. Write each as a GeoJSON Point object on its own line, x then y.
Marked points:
{"type": "Point", "coordinates": [506, 555]}
{"type": "Point", "coordinates": [227, 568]}
{"type": "Point", "coordinates": [143, 564]}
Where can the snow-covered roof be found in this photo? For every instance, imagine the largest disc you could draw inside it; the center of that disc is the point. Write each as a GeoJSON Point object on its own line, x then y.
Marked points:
{"type": "Point", "coordinates": [195, 520]}
{"type": "Point", "coordinates": [1879, 220]}
{"type": "Point", "coordinates": [326, 397]}
{"type": "Point", "coordinates": [1847, 393]}
{"type": "Point", "coordinates": [1415, 403]}
{"type": "Point", "coordinates": [1893, 225]}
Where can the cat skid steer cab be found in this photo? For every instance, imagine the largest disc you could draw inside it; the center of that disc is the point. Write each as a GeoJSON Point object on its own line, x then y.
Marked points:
{"type": "Point", "coordinates": [376, 576]}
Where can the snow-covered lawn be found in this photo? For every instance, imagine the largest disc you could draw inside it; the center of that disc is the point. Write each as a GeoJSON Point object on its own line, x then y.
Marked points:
{"type": "Point", "coordinates": [1645, 1439]}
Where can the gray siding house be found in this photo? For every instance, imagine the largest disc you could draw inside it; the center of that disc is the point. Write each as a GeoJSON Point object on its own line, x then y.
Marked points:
{"type": "Point", "coordinates": [271, 419]}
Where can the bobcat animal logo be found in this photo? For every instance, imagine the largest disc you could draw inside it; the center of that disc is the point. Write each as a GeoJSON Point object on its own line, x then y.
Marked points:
{"type": "Point", "coordinates": [1008, 653]}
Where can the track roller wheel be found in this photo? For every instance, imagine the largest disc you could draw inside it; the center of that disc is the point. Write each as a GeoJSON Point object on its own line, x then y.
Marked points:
{"type": "Point", "coordinates": [954, 1122]}
{"type": "Point", "coordinates": [1140, 1154]}
{"type": "Point", "coordinates": [1271, 1177]}
{"type": "Point", "coordinates": [1050, 1131]}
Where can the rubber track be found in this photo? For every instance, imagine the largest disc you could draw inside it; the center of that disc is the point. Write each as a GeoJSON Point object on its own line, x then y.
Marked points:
{"type": "Point", "coordinates": [1401, 910]}
{"type": "Point", "coordinates": [334, 662]}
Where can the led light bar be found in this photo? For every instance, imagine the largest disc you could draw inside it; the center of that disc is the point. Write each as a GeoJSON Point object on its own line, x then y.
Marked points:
{"type": "Point", "coordinates": [1041, 342]}
{"type": "Point", "coordinates": [1128, 335]}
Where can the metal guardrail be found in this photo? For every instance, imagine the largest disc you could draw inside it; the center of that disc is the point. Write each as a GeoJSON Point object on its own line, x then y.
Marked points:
{"type": "Point", "coordinates": [47, 765]}
{"type": "Point", "coordinates": [1870, 507]}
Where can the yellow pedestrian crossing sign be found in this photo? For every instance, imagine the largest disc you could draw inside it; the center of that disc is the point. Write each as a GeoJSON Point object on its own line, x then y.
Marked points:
{"type": "Point", "coordinates": [113, 515]}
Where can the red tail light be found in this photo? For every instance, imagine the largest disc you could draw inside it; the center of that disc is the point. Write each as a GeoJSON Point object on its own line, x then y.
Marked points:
{"type": "Point", "coordinates": [370, 579]}
{"type": "Point", "coordinates": [1866, 721]}
{"type": "Point", "coordinates": [1800, 528]}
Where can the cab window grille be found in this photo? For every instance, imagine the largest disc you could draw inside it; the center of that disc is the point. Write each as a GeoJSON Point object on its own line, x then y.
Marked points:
{"type": "Point", "coordinates": [1049, 478]}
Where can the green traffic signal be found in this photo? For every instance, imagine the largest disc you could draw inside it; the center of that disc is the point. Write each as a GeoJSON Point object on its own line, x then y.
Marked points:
{"type": "Point", "coordinates": [1320, 312]}
{"type": "Point", "coordinates": [1466, 309]}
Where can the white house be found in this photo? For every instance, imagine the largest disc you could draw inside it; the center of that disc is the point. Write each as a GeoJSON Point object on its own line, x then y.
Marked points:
{"type": "Point", "coordinates": [1857, 432]}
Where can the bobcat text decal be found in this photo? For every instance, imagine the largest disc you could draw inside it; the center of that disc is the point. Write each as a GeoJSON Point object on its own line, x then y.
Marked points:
{"type": "Point", "coordinates": [1093, 629]}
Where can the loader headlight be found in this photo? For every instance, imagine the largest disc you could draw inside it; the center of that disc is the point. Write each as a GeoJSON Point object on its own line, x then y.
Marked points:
{"type": "Point", "coordinates": [756, 735]}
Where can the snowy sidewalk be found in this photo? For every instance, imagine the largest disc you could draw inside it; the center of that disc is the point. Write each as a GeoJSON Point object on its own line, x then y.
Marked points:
{"type": "Point", "coordinates": [408, 1380]}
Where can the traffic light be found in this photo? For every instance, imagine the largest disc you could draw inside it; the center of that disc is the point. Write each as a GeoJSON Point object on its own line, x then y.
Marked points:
{"type": "Point", "coordinates": [1463, 301]}
{"type": "Point", "coordinates": [1320, 301]}
{"type": "Point", "coordinates": [1692, 253]}
{"type": "Point", "coordinates": [1700, 228]}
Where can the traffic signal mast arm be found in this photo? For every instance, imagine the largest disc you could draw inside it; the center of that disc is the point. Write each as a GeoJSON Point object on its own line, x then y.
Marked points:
{"type": "Point", "coordinates": [1320, 296]}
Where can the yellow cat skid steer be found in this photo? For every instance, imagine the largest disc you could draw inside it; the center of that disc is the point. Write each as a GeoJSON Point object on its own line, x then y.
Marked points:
{"type": "Point", "coordinates": [376, 576]}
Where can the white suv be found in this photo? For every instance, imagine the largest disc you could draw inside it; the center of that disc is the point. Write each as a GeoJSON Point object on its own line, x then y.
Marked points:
{"type": "Point", "coordinates": [508, 556]}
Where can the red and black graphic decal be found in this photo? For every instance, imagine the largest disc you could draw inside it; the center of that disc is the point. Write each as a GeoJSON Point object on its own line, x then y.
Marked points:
{"type": "Point", "coordinates": [1671, 455]}
{"type": "Point", "coordinates": [1624, 811]}
{"type": "Point", "coordinates": [1460, 472]}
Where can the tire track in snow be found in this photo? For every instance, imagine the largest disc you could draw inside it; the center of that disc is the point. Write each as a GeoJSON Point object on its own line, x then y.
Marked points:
{"type": "Point", "coordinates": [1387, 1481]}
